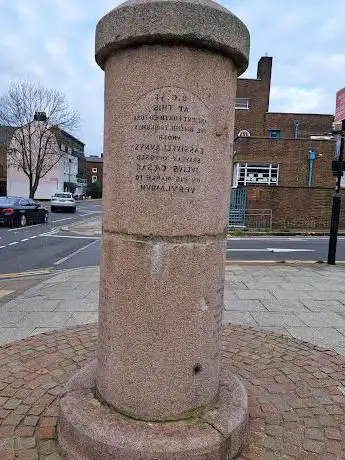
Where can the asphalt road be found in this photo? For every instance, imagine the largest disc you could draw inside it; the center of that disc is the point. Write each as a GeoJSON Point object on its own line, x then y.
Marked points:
{"type": "Point", "coordinates": [283, 248]}
{"type": "Point", "coordinates": [46, 246]}
{"type": "Point", "coordinates": [43, 246]}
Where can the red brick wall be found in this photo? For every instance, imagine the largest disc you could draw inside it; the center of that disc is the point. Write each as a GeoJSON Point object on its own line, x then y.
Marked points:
{"type": "Point", "coordinates": [258, 120]}
{"type": "Point", "coordinates": [296, 208]}
{"type": "Point", "coordinates": [292, 157]}
{"type": "Point", "coordinates": [309, 124]}
{"type": "Point", "coordinates": [258, 93]}
{"type": "Point", "coordinates": [252, 119]}
{"type": "Point", "coordinates": [89, 173]}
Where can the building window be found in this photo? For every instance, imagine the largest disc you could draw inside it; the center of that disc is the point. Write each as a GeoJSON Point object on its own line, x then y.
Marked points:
{"type": "Point", "coordinates": [244, 133]}
{"type": "Point", "coordinates": [274, 133]}
{"type": "Point", "coordinates": [69, 149]}
{"type": "Point", "coordinates": [255, 174]}
{"type": "Point", "coordinates": [242, 103]}
{"type": "Point", "coordinates": [63, 147]}
{"type": "Point", "coordinates": [94, 179]}
{"type": "Point", "coordinates": [94, 170]}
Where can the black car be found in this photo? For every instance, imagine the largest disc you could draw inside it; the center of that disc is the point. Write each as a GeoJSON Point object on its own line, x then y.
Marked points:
{"type": "Point", "coordinates": [21, 211]}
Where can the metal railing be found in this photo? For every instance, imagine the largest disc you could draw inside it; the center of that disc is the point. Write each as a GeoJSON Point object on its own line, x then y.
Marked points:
{"type": "Point", "coordinates": [251, 219]}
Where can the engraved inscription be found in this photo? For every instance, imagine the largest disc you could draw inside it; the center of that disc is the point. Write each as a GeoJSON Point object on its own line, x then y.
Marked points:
{"type": "Point", "coordinates": [170, 127]}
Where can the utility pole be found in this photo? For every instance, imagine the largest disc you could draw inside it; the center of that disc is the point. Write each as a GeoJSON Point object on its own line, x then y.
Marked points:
{"type": "Point", "coordinates": [337, 168]}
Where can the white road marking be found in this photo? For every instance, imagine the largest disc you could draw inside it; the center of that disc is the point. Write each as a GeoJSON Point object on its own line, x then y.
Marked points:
{"type": "Point", "coordinates": [2, 247]}
{"type": "Point", "coordinates": [23, 228]}
{"type": "Point", "coordinates": [12, 244]}
{"type": "Point", "coordinates": [289, 250]}
{"type": "Point", "coordinates": [25, 239]}
{"type": "Point", "coordinates": [60, 220]}
{"type": "Point", "coordinates": [71, 236]}
{"type": "Point", "coordinates": [246, 250]}
{"type": "Point", "coordinates": [277, 250]}
{"type": "Point", "coordinates": [64, 259]}
{"type": "Point", "coordinates": [280, 238]}
{"type": "Point", "coordinates": [32, 237]}
{"type": "Point", "coordinates": [55, 230]}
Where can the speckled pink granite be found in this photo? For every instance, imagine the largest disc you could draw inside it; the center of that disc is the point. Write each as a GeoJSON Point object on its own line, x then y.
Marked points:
{"type": "Point", "coordinates": [170, 86]}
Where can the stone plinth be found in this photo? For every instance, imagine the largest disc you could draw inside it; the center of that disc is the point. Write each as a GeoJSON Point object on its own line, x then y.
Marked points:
{"type": "Point", "coordinates": [170, 86]}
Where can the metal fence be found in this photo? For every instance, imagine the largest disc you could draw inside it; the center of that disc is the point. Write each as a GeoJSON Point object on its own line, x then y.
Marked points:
{"type": "Point", "coordinates": [251, 219]}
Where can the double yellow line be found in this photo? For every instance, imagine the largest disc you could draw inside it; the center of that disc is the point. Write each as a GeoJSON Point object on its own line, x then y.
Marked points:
{"type": "Point", "coordinates": [45, 271]}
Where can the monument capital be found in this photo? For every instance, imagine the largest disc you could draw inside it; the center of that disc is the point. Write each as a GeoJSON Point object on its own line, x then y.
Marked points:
{"type": "Point", "coordinates": [200, 23]}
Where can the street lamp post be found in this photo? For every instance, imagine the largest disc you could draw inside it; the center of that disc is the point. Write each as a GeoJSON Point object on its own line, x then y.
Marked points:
{"type": "Point", "coordinates": [338, 168]}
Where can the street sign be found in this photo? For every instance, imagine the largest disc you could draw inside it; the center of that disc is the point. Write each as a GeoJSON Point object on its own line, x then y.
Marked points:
{"type": "Point", "coordinates": [340, 106]}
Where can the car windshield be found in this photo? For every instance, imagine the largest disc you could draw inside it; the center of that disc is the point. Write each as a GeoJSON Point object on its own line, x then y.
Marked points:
{"type": "Point", "coordinates": [63, 195]}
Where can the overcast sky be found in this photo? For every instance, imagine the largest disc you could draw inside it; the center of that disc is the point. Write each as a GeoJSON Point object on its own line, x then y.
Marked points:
{"type": "Point", "coordinates": [52, 41]}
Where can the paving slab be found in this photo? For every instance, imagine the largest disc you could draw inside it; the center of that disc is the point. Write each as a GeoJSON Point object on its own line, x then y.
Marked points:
{"type": "Point", "coordinates": [71, 296]}
{"type": "Point", "coordinates": [253, 294]}
{"type": "Point", "coordinates": [324, 306]}
{"type": "Point", "coordinates": [11, 334]}
{"type": "Point", "coordinates": [39, 304]}
{"type": "Point", "coordinates": [321, 319]}
{"type": "Point", "coordinates": [276, 319]}
{"type": "Point", "coordinates": [284, 305]}
{"type": "Point", "coordinates": [328, 295]}
{"type": "Point", "coordinates": [244, 305]}
{"type": "Point", "coordinates": [289, 294]}
{"type": "Point", "coordinates": [238, 317]}
{"type": "Point", "coordinates": [324, 336]}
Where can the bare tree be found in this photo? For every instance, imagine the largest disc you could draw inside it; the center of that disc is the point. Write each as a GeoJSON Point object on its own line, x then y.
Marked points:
{"type": "Point", "coordinates": [39, 116]}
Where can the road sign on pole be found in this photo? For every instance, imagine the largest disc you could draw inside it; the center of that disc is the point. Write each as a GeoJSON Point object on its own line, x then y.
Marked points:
{"type": "Point", "coordinates": [336, 204]}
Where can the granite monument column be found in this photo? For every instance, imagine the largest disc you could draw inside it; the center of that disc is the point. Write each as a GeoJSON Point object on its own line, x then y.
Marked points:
{"type": "Point", "coordinates": [171, 70]}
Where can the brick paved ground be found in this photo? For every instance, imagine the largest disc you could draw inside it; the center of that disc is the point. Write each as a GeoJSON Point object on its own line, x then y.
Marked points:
{"type": "Point", "coordinates": [296, 393]}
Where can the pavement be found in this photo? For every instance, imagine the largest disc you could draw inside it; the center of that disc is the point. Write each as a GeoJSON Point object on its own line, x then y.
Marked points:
{"type": "Point", "coordinates": [306, 302]}
{"type": "Point", "coordinates": [283, 334]}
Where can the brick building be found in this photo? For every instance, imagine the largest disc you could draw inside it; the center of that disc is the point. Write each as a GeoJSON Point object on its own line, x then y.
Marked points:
{"type": "Point", "coordinates": [94, 169]}
{"type": "Point", "coordinates": [6, 133]}
{"type": "Point", "coordinates": [282, 161]}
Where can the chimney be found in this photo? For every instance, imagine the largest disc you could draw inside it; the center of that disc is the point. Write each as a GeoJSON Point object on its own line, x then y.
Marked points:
{"type": "Point", "coordinates": [264, 74]}
{"type": "Point", "coordinates": [40, 116]}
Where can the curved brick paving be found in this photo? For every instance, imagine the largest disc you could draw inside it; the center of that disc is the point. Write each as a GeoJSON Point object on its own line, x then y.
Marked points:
{"type": "Point", "coordinates": [297, 408]}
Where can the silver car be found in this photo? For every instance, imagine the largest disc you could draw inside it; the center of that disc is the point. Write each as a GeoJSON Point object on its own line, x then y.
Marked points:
{"type": "Point", "coordinates": [62, 200]}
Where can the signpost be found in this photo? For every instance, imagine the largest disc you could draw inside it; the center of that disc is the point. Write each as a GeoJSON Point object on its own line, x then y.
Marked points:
{"type": "Point", "coordinates": [337, 167]}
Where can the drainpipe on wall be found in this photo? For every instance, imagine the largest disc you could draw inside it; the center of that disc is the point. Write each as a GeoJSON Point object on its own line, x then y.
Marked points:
{"type": "Point", "coordinates": [295, 128]}
{"type": "Point", "coordinates": [311, 159]}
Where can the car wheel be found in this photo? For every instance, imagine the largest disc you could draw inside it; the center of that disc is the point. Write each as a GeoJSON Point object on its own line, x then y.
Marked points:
{"type": "Point", "coordinates": [52, 209]}
{"type": "Point", "coordinates": [73, 210]}
{"type": "Point", "coordinates": [22, 221]}
{"type": "Point", "coordinates": [45, 218]}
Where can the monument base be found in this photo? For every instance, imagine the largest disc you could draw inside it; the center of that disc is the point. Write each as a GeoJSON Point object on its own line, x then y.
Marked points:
{"type": "Point", "coordinates": [89, 429]}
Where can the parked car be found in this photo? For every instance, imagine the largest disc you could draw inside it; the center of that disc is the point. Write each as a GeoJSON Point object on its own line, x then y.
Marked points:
{"type": "Point", "coordinates": [21, 211]}
{"type": "Point", "coordinates": [79, 196]}
{"type": "Point", "coordinates": [62, 200]}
